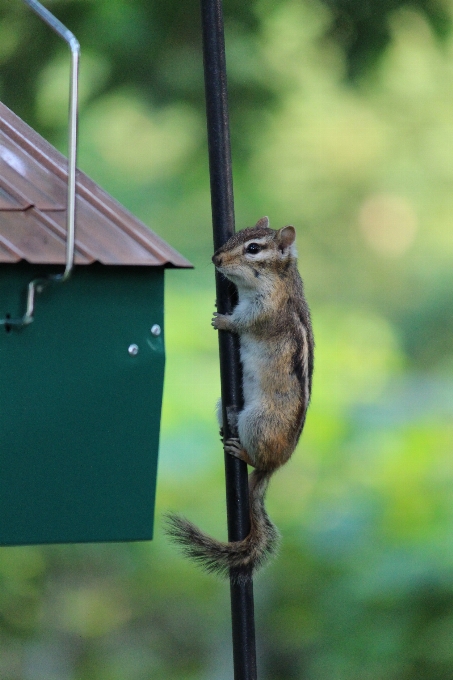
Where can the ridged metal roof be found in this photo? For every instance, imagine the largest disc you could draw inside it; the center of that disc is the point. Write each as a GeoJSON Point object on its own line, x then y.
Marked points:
{"type": "Point", "coordinates": [33, 184]}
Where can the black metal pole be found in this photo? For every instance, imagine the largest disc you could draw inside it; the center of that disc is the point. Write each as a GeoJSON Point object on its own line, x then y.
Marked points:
{"type": "Point", "coordinates": [242, 607]}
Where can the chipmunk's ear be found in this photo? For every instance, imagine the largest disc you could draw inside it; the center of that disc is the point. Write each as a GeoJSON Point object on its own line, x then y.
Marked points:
{"type": "Point", "coordinates": [286, 237]}
{"type": "Point", "coordinates": [263, 223]}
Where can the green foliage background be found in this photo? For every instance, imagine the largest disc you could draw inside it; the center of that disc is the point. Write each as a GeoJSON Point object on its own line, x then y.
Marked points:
{"type": "Point", "coordinates": [342, 124]}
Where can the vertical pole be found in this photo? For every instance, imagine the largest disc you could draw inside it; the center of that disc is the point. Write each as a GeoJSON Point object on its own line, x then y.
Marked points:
{"type": "Point", "coordinates": [242, 607]}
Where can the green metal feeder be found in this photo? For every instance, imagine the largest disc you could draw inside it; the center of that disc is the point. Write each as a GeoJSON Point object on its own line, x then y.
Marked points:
{"type": "Point", "coordinates": [80, 386]}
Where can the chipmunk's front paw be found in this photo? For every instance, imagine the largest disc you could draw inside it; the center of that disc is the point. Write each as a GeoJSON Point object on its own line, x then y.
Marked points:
{"type": "Point", "coordinates": [221, 322]}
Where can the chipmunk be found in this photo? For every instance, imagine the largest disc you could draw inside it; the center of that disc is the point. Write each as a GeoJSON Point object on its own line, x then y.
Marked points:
{"type": "Point", "coordinates": [272, 320]}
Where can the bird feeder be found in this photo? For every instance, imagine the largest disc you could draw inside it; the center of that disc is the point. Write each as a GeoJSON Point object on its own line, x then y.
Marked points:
{"type": "Point", "coordinates": [80, 386]}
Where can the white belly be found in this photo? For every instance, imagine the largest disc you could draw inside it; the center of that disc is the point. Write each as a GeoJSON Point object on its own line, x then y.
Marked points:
{"type": "Point", "coordinates": [255, 358]}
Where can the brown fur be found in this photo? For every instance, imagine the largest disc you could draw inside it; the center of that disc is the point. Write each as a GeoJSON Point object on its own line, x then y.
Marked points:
{"type": "Point", "coordinates": [273, 322]}
{"type": "Point", "coordinates": [237, 559]}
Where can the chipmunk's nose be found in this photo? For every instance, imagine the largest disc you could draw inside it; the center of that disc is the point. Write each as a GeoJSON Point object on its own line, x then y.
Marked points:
{"type": "Point", "coordinates": [217, 259]}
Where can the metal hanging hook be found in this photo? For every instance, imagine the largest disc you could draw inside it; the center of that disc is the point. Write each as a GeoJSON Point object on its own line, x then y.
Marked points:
{"type": "Point", "coordinates": [39, 284]}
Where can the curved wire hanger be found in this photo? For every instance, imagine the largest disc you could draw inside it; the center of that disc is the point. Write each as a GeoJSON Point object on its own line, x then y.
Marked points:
{"type": "Point", "coordinates": [38, 285]}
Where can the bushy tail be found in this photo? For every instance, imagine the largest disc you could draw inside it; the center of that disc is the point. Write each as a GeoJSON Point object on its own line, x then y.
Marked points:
{"type": "Point", "coordinates": [238, 558]}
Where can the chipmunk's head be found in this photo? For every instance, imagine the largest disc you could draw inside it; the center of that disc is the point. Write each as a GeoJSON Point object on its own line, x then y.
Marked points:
{"type": "Point", "coordinates": [257, 254]}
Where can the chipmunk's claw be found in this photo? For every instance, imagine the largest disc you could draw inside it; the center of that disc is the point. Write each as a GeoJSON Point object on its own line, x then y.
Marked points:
{"type": "Point", "coordinates": [234, 447]}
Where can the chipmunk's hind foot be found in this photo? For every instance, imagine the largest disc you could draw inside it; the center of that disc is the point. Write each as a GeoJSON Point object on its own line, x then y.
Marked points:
{"type": "Point", "coordinates": [234, 447]}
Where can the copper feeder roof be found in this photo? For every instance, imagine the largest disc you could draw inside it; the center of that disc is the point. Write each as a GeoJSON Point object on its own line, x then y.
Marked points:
{"type": "Point", "coordinates": [33, 185]}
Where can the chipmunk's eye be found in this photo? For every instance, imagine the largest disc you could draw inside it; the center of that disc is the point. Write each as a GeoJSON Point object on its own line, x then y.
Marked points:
{"type": "Point", "coordinates": [253, 248]}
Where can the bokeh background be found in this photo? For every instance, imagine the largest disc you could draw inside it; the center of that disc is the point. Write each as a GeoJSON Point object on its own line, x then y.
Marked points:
{"type": "Point", "coordinates": [342, 124]}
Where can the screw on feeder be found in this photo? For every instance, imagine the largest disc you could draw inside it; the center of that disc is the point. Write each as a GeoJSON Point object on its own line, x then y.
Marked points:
{"type": "Point", "coordinates": [156, 330]}
{"type": "Point", "coordinates": [133, 349]}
